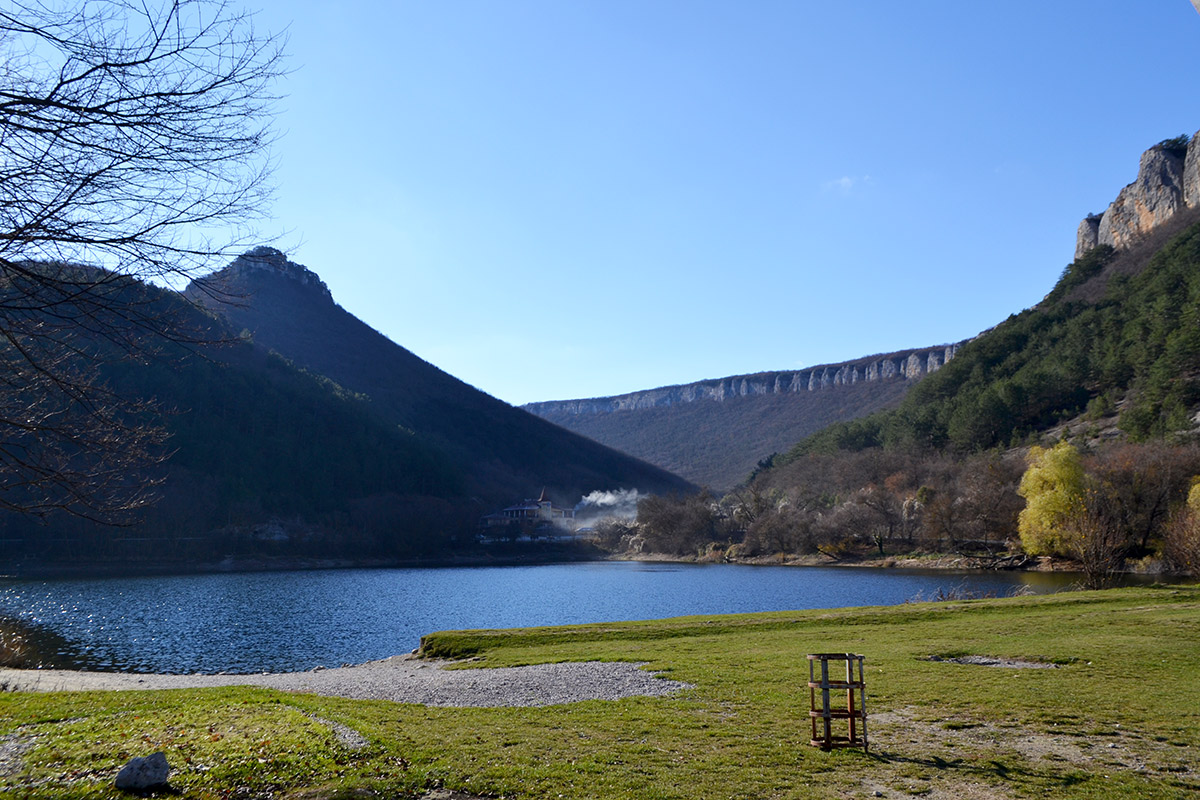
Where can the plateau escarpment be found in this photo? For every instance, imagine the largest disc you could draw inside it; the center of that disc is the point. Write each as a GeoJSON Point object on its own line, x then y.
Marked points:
{"type": "Point", "coordinates": [715, 432]}
{"type": "Point", "coordinates": [904, 364]}
{"type": "Point", "coordinates": [1168, 181]}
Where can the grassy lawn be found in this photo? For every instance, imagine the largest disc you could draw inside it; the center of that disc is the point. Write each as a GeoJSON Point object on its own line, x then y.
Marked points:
{"type": "Point", "coordinates": [1118, 717]}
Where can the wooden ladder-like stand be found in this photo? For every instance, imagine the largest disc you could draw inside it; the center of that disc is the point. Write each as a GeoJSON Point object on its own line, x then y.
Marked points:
{"type": "Point", "coordinates": [855, 710]}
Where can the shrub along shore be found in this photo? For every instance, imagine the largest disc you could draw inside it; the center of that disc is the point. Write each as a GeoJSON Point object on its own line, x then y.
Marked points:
{"type": "Point", "coordinates": [1115, 713]}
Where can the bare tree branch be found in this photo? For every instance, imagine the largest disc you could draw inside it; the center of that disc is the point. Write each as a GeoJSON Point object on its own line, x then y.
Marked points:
{"type": "Point", "coordinates": [134, 147]}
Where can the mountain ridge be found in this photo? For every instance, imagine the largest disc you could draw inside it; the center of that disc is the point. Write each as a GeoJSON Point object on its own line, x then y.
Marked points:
{"type": "Point", "coordinates": [906, 364]}
{"type": "Point", "coordinates": [287, 308]}
{"type": "Point", "coordinates": [716, 432]}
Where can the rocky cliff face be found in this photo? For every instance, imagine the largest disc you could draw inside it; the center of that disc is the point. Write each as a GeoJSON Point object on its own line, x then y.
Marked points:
{"type": "Point", "coordinates": [906, 364]}
{"type": "Point", "coordinates": [268, 259]}
{"type": "Point", "coordinates": [1168, 180]}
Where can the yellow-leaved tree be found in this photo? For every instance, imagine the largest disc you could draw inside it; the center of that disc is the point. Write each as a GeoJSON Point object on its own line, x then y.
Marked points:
{"type": "Point", "coordinates": [1181, 543]}
{"type": "Point", "coordinates": [1053, 488]}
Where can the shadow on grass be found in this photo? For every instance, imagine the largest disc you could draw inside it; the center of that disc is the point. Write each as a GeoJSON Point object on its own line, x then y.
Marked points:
{"type": "Point", "coordinates": [991, 770]}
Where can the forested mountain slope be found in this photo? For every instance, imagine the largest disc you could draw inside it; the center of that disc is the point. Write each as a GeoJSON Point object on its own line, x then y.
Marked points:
{"type": "Point", "coordinates": [1121, 326]}
{"type": "Point", "coordinates": [1112, 383]}
{"type": "Point", "coordinates": [501, 453]}
{"type": "Point", "coordinates": [267, 458]}
{"type": "Point", "coordinates": [1070, 430]}
{"type": "Point", "coordinates": [261, 459]}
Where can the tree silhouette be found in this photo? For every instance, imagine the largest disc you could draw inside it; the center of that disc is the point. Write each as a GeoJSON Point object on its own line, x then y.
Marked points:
{"type": "Point", "coordinates": [134, 146]}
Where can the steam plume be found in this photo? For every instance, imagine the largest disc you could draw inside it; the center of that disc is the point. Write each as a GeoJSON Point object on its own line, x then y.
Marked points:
{"type": "Point", "coordinates": [621, 503]}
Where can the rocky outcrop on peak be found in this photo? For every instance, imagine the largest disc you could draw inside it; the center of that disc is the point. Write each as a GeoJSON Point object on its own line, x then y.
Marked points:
{"type": "Point", "coordinates": [1168, 181]}
{"type": "Point", "coordinates": [268, 259]}
{"type": "Point", "coordinates": [1088, 235]}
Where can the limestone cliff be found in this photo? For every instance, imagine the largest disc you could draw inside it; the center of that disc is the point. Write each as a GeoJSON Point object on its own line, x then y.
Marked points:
{"type": "Point", "coordinates": [714, 432]}
{"type": "Point", "coordinates": [900, 365]}
{"type": "Point", "coordinates": [1168, 181]}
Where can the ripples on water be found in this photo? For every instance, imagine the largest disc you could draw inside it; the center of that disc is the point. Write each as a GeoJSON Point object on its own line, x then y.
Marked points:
{"type": "Point", "coordinates": [284, 621]}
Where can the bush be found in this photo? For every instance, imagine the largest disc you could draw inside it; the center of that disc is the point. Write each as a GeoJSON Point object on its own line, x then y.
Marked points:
{"type": "Point", "coordinates": [1176, 146]}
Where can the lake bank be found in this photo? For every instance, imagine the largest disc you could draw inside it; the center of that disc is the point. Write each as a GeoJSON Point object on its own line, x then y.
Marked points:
{"type": "Point", "coordinates": [938, 728]}
{"type": "Point", "coordinates": [248, 622]}
{"type": "Point", "coordinates": [950, 562]}
{"type": "Point", "coordinates": [535, 554]}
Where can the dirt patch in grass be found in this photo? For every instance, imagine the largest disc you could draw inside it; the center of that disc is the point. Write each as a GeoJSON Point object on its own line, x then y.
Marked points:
{"type": "Point", "coordinates": [13, 747]}
{"type": "Point", "coordinates": [972, 758]}
{"type": "Point", "coordinates": [994, 661]}
{"type": "Point", "coordinates": [346, 736]}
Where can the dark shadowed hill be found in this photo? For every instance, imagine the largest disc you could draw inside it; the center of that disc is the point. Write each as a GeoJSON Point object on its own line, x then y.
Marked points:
{"type": "Point", "coordinates": [715, 432]}
{"type": "Point", "coordinates": [503, 453]}
{"type": "Point", "coordinates": [261, 460]}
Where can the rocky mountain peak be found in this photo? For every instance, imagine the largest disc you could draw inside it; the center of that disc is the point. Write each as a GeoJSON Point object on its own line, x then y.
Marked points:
{"type": "Point", "coordinates": [1168, 181]}
{"type": "Point", "coordinates": [270, 260]}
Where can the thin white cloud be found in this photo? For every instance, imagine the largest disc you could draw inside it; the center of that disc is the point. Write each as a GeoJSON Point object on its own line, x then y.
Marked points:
{"type": "Point", "coordinates": [846, 185]}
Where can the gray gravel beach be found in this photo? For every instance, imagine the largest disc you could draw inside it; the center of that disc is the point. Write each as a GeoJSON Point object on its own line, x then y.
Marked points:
{"type": "Point", "coordinates": [403, 679]}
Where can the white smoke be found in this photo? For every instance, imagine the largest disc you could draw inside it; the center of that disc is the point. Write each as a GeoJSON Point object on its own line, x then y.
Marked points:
{"type": "Point", "coordinates": [620, 503]}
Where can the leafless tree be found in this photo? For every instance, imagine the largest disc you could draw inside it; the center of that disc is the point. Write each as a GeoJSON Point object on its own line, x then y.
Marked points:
{"type": "Point", "coordinates": [1097, 535]}
{"type": "Point", "coordinates": [1181, 542]}
{"type": "Point", "coordinates": [1145, 481]}
{"type": "Point", "coordinates": [134, 146]}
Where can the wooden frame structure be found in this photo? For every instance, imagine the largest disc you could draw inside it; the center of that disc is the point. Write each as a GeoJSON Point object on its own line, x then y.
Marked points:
{"type": "Point", "coordinates": [855, 709]}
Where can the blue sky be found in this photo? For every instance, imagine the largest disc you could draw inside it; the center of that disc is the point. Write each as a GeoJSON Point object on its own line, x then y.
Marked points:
{"type": "Point", "coordinates": [567, 199]}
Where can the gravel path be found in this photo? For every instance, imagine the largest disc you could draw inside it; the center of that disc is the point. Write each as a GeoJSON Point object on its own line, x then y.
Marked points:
{"type": "Point", "coordinates": [403, 679]}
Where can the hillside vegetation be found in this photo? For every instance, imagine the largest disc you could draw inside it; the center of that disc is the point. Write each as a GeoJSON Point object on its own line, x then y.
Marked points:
{"type": "Point", "coordinates": [1138, 342]}
{"type": "Point", "coordinates": [261, 459]}
{"type": "Point", "coordinates": [360, 453]}
{"type": "Point", "coordinates": [502, 453]}
{"type": "Point", "coordinates": [1109, 360]}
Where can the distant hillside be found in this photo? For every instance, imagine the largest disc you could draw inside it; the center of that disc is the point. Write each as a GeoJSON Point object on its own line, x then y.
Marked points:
{"type": "Point", "coordinates": [715, 432]}
{"type": "Point", "coordinates": [1107, 365]}
{"type": "Point", "coordinates": [1136, 348]}
{"type": "Point", "coordinates": [501, 453]}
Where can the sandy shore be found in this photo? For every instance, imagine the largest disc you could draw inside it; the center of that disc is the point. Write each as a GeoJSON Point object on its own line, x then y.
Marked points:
{"type": "Point", "coordinates": [403, 679]}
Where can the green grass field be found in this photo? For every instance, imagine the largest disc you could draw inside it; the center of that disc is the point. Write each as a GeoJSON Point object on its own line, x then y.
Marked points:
{"type": "Point", "coordinates": [1118, 717]}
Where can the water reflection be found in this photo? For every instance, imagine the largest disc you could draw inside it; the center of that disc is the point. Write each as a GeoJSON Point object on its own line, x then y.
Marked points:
{"type": "Point", "coordinates": [281, 621]}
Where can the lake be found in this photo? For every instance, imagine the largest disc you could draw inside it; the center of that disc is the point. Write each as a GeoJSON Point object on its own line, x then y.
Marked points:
{"type": "Point", "coordinates": [286, 621]}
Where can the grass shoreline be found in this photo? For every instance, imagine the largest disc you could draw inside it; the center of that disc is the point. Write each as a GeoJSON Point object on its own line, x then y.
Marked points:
{"type": "Point", "coordinates": [1118, 715]}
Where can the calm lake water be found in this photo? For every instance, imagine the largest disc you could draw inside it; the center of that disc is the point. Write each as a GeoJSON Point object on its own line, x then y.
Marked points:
{"type": "Point", "coordinates": [283, 621]}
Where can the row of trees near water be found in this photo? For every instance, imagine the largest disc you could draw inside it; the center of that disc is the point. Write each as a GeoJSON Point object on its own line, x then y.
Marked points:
{"type": "Point", "coordinates": [1069, 431]}
{"type": "Point", "coordinates": [1105, 508]}
{"type": "Point", "coordinates": [1099, 511]}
